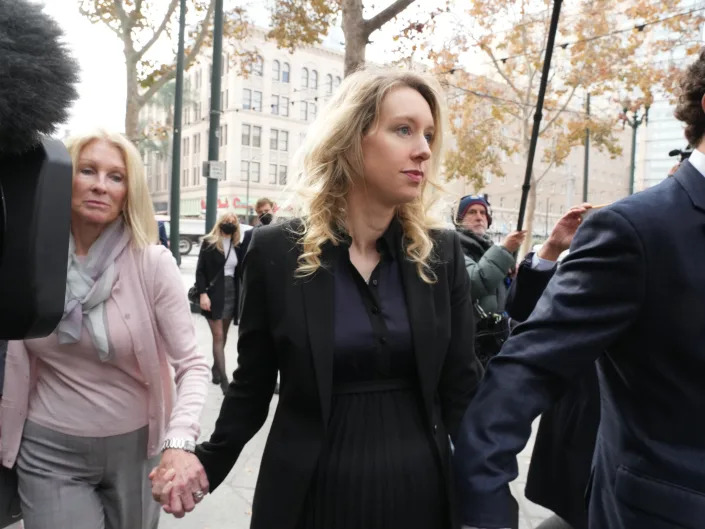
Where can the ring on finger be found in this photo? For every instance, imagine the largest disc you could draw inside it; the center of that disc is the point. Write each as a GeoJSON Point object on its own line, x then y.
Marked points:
{"type": "Point", "coordinates": [198, 495]}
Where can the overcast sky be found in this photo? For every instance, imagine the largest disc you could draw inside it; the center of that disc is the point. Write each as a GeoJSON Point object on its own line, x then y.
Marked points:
{"type": "Point", "coordinates": [98, 50]}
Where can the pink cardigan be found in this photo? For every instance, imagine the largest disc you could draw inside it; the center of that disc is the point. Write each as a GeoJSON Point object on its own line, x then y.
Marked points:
{"type": "Point", "coordinates": [150, 296]}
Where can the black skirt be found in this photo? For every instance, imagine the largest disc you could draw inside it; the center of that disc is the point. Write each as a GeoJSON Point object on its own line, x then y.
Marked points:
{"type": "Point", "coordinates": [378, 469]}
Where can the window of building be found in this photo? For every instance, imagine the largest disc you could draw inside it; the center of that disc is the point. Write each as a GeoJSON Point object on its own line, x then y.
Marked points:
{"type": "Point", "coordinates": [275, 105]}
{"type": "Point", "coordinates": [244, 170]}
{"type": "Point", "coordinates": [223, 140]}
{"type": "Point", "coordinates": [312, 111]}
{"type": "Point", "coordinates": [313, 82]}
{"type": "Point", "coordinates": [258, 66]}
{"type": "Point", "coordinates": [251, 135]}
{"type": "Point", "coordinates": [279, 140]}
{"type": "Point", "coordinates": [329, 84]}
{"type": "Point", "coordinates": [187, 116]}
{"type": "Point", "coordinates": [284, 106]}
{"type": "Point", "coordinates": [272, 173]}
{"type": "Point", "coordinates": [276, 70]}
{"type": "Point", "coordinates": [286, 69]}
{"type": "Point", "coordinates": [257, 101]}
{"type": "Point", "coordinates": [185, 146]}
{"type": "Point", "coordinates": [194, 176]}
{"type": "Point", "coordinates": [304, 78]}
{"type": "Point", "coordinates": [246, 98]}
{"type": "Point", "coordinates": [303, 113]}
{"type": "Point", "coordinates": [337, 81]}
{"type": "Point", "coordinates": [282, 175]}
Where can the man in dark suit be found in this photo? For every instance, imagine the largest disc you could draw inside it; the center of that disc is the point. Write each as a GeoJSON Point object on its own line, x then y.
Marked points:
{"type": "Point", "coordinates": [631, 293]}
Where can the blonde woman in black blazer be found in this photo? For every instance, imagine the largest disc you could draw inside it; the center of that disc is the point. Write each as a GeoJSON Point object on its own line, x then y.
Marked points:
{"type": "Point", "coordinates": [364, 309]}
{"type": "Point", "coordinates": [218, 284]}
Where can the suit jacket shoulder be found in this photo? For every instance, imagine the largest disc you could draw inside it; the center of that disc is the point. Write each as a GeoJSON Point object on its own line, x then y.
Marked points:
{"type": "Point", "coordinates": [277, 239]}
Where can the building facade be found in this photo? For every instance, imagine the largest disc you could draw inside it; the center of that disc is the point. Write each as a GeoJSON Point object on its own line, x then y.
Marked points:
{"type": "Point", "coordinates": [264, 118]}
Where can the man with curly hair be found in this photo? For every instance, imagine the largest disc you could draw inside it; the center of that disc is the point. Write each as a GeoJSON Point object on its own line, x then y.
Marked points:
{"type": "Point", "coordinates": [631, 295]}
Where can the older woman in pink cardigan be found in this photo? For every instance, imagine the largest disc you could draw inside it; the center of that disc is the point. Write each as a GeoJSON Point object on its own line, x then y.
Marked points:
{"type": "Point", "coordinates": [120, 384]}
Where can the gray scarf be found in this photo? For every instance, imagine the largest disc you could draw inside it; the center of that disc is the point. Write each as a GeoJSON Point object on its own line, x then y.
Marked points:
{"type": "Point", "coordinates": [88, 285]}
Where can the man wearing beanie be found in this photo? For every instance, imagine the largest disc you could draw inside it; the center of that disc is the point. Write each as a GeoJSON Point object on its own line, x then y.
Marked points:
{"type": "Point", "coordinates": [488, 264]}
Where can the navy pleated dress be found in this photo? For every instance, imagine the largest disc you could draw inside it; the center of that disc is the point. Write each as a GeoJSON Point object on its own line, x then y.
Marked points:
{"type": "Point", "coordinates": [379, 468]}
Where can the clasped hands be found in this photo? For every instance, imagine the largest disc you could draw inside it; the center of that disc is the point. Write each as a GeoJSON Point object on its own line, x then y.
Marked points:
{"type": "Point", "coordinates": [179, 482]}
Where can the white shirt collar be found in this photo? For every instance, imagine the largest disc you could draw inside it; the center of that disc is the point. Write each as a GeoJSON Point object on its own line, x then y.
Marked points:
{"type": "Point", "coordinates": [697, 159]}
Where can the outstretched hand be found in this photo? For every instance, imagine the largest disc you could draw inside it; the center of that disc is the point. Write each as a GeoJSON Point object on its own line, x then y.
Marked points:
{"type": "Point", "coordinates": [563, 233]}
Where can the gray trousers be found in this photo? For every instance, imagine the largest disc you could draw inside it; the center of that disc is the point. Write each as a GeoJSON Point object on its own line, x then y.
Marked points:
{"type": "Point", "coordinates": [69, 482]}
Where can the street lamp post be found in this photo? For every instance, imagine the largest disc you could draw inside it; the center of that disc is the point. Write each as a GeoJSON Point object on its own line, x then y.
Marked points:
{"type": "Point", "coordinates": [214, 132]}
{"type": "Point", "coordinates": [175, 191]}
{"type": "Point", "coordinates": [634, 122]}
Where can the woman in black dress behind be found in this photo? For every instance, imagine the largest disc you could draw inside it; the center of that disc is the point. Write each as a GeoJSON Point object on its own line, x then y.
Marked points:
{"type": "Point", "coordinates": [217, 282]}
{"type": "Point", "coordinates": [364, 309]}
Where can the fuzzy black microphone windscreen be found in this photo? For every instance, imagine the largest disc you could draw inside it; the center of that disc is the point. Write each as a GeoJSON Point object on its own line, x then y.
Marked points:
{"type": "Point", "coordinates": [37, 76]}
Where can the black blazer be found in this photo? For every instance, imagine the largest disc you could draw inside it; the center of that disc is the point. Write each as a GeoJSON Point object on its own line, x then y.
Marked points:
{"type": "Point", "coordinates": [565, 442]}
{"type": "Point", "coordinates": [633, 288]}
{"type": "Point", "coordinates": [287, 326]}
{"type": "Point", "coordinates": [210, 265]}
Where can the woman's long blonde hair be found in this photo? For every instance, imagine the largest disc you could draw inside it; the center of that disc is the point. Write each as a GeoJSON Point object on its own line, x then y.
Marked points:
{"type": "Point", "coordinates": [332, 163]}
{"type": "Point", "coordinates": [215, 236]}
{"type": "Point", "coordinates": [138, 211]}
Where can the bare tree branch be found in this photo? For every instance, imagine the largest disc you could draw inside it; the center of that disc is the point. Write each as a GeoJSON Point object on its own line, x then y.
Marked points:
{"type": "Point", "coordinates": [162, 80]}
{"type": "Point", "coordinates": [160, 29]}
{"type": "Point", "coordinates": [122, 15]}
{"type": "Point", "coordinates": [384, 16]}
{"type": "Point", "coordinates": [504, 76]}
{"type": "Point", "coordinates": [559, 111]}
{"type": "Point", "coordinates": [545, 172]}
{"type": "Point", "coordinates": [92, 17]}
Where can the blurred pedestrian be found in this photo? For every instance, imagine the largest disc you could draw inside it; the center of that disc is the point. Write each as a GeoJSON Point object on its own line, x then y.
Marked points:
{"type": "Point", "coordinates": [88, 409]}
{"type": "Point", "coordinates": [364, 308]}
{"type": "Point", "coordinates": [163, 238]}
{"type": "Point", "coordinates": [218, 284]}
{"type": "Point", "coordinates": [265, 215]}
{"type": "Point", "coordinates": [631, 292]}
{"type": "Point", "coordinates": [490, 268]}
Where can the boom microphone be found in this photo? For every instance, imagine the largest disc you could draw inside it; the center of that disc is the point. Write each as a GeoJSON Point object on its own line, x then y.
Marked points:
{"type": "Point", "coordinates": [37, 78]}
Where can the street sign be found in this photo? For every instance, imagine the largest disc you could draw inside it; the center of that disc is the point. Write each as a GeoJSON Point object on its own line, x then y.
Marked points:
{"type": "Point", "coordinates": [215, 170]}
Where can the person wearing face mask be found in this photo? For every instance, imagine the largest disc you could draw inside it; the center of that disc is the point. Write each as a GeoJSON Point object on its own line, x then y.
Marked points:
{"type": "Point", "coordinates": [217, 283]}
{"type": "Point", "coordinates": [265, 215]}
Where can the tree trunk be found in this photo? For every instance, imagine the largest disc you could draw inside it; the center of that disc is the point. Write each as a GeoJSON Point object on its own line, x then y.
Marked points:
{"type": "Point", "coordinates": [133, 103]}
{"type": "Point", "coordinates": [355, 36]}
